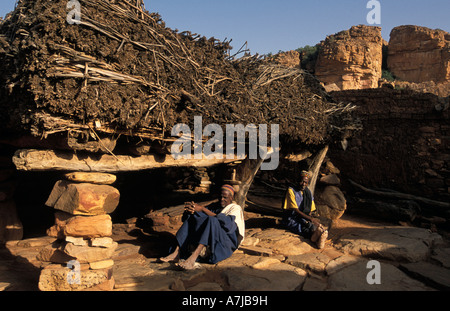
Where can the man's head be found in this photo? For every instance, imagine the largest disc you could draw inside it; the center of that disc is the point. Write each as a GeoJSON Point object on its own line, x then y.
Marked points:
{"type": "Point", "coordinates": [226, 195]}
{"type": "Point", "coordinates": [304, 180]}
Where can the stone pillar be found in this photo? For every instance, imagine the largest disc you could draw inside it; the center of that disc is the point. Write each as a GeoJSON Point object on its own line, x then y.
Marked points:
{"type": "Point", "coordinates": [81, 257]}
{"type": "Point", "coordinates": [11, 228]}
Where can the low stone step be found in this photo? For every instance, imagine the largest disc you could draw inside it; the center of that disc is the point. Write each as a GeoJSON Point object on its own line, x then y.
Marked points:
{"type": "Point", "coordinates": [433, 275]}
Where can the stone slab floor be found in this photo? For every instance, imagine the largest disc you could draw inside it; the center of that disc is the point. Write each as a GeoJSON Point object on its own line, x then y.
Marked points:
{"type": "Point", "coordinates": [269, 259]}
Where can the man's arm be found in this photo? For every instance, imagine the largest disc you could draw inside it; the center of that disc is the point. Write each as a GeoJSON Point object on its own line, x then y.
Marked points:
{"type": "Point", "coordinates": [192, 207]}
{"type": "Point", "coordinates": [307, 217]}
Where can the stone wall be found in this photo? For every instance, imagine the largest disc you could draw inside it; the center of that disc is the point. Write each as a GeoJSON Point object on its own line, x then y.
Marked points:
{"type": "Point", "coordinates": [441, 89]}
{"type": "Point", "coordinates": [405, 143]}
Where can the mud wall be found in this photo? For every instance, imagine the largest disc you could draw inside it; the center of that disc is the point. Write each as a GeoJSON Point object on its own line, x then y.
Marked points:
{"type": "Point", "coordinates": [405, 143]}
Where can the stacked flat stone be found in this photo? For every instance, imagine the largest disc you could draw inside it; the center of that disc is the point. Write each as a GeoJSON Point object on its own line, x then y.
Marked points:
{"type": "Point", "coordinates": [81, 257]}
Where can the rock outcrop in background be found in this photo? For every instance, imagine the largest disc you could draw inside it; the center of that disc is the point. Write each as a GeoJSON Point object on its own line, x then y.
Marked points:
{"type": "Point", "coordinates": [289, 59]}
{"type": "Point", "coordinates": [351, 59]}
{"type": "Point", "coordinates": [418, 58]}
{"type": "Point", "coordinates": [419, 54]}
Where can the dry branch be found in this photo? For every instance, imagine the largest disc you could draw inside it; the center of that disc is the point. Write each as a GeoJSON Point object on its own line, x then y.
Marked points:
{"type": "Point", "coordinates": [398, 195]}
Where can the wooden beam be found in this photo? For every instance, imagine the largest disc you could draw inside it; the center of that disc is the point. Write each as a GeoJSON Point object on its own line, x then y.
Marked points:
{"type": "Point", "coordinates": [51, 160]}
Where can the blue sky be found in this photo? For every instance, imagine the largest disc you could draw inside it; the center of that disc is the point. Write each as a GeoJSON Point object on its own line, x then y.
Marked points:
{"type": "Point", "coordinates": [270, 26]}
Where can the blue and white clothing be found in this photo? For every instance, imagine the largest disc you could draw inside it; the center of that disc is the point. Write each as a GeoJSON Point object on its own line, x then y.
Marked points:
{"type": "Point", "coordinates": [222, 234]}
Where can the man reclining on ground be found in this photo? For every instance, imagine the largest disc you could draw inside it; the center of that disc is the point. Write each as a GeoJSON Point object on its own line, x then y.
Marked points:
{"type": "Point", "coordinates": [215, 231]}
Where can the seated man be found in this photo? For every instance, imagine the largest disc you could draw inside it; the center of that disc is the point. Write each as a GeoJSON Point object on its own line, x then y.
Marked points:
{"type": "Point", "coordinates": [297, 207]}
{"type": "Point", "coordinates": [219, 226]}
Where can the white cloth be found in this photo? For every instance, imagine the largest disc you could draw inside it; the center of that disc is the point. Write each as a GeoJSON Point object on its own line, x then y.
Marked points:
{"type": "Point", "coordinates": [235, 210]}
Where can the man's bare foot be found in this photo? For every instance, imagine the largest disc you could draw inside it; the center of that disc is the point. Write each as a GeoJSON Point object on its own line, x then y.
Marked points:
{"type": "Point", "coordinates": [191, 262]}
{"type": "Point", "coordinates": [188, 264]}
{"type": "Point", "coordinates": [322, 239]}
{"type": "Point", "coordinates": [317, 233]}
{"type": "Point", "coordinates": [174, 257]}
{"type": "Point", "coordinates": [170, 258]}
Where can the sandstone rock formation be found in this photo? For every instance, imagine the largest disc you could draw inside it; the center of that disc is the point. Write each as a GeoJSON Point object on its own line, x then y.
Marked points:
{"type": "Point", "coordinates": [351, 59]}
{"type": "Point", "coordinates": [288, 59]}
{"type": "Point", "coordinates": [419, 54]}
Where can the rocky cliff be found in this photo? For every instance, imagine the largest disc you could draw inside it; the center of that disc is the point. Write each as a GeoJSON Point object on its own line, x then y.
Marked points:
{"type": "Point", "coordinates": [355, 59]}
{"type": "Point", "coordinates": [419, 54]}
{"type": "Point", "coordinates": [351, 59]}
{"type": "Point", "coordinates": [289, 59]}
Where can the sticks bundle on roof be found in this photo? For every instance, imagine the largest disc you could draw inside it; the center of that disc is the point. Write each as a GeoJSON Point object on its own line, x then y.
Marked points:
{"type": "Point", "coordinates": [120, 66]}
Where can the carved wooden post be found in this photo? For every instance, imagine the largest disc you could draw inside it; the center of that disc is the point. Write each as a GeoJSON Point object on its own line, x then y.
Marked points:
{"type": "Point", "coordinates": [242, 178]}
{"type": "Point", "coordinates": [315, 168]}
